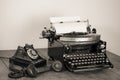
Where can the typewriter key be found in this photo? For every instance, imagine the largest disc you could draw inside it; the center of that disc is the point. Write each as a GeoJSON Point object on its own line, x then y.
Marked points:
{"type": "Point", "coordinates": [71, 58]}
{"type": "Point", "coordinates": [72, 64]}
{"type": "Point", "coordinates": [76, 60]}
{"type": "Point", "coordinates": [83, 57]}
{"type": "Point", "coordinates": [69, 62]}
{"type": "Point", "coordinates": [91, 59]}
{"type": "Point", "coordinates": [76, 63]}
{"type": "Point", "coordinates": [94, 62]}
{"type": "Point", "coordinates": [79, 60]}
{"type": "Point", "coordinates": [89, 56]}
{"type": "Point", "coordinates": [86, 60]}
{"type": "Point", "coordinates": [86, 57]}
{"type": "Point", "coordinates": [68, 56]}
{"type": "Point", "coordinates": [79, 63]}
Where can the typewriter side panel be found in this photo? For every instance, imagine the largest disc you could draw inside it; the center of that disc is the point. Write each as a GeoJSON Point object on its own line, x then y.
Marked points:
{"type": "Point", "coordinates": [56, 51]}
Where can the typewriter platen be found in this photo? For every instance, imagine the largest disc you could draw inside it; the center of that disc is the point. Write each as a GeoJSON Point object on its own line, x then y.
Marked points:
{"type": "Point", "coordinates": [75, 45]}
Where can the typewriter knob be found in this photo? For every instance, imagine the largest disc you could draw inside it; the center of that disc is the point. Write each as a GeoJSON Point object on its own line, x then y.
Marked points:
{"type": "Point", "coordinates": [57, 66]}
{"type": "Point", "coordinates": [102, 46]}
{"type": "Point", "coordinates": [94, 30]}
{"type": "Point", "coordinates": [67, 48]}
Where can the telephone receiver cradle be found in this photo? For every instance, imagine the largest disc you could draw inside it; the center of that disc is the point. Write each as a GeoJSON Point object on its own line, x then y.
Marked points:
{"type": "Point", "coordinates": [26, 62]}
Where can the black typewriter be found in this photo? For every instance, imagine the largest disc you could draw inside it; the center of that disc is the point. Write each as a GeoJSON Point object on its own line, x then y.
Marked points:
{"type": "Point", "coordinates": [73, 44]}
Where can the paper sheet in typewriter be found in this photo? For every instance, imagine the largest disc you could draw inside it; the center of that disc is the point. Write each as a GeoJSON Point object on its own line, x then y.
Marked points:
{"type": "Point", "coordinates": [69, 24]}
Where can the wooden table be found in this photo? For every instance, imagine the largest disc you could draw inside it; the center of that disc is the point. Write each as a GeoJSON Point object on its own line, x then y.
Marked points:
{"type": "Point", "coordinates": [105, 74]}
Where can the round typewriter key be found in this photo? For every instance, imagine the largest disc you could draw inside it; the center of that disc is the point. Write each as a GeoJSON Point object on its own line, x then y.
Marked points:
{"type": "Point", "coordinates": [73, 61]}
{"type": "Point", "coordinates": [89, 56]}
{"type": "Point", "coordinates": [97, 58]}
{"type": "Point", "coordinates": [85, 62]}
{"type": "Point", "coordinates": [88, 62]}
{"type": "Point", "coordinates": [77, 58]}
{"type": "Point", "coordinates": [91, 62]}
{"type": "Point", "coordinates": [97, 61]}
{"type": "Point", "coordinates": [68, 56]}
{"type": "Point", "coordinates": [103, 50]}
{"type": "Point", "coordinates": [94, 62]}
{"type": "Point", "coordinates": [101, 53]}
{"type": "Point", "coordinates": [98, 53]}
{"type": "Point", "coordinates": [72, 64]}
{"type": "Point", "coordinates": [69, 62]}
{"type": "Point", "coordinates": [82, 60]}
{"type": "Point", "coordinates": [91, 59]}
{"type": "Point", "coordinates": [76, 61]}
{"type": "Point", "coordinates": [85, 59]}
{"type": "Point", "coordinates": [64, 55]}
{"type": "Point", "coordinates": [80, 57]}
{"type": "Point", "coordinates": [88, 59]}
{"type": "Point", "coordinates": [71, 55]}
{"type": "Point", "coordinates": [83, 54]}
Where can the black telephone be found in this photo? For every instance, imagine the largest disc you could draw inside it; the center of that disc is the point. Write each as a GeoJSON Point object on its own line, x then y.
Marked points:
{"type": "Point", "coordinates": [25, 62]}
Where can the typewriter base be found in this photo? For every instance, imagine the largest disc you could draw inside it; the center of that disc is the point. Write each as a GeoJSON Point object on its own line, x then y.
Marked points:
{"type": "Point", "coordinates": [89, 68]}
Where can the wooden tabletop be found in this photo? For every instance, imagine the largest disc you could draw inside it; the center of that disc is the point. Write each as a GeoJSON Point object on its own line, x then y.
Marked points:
{"type": "Point", "coordinates": [104, 74]}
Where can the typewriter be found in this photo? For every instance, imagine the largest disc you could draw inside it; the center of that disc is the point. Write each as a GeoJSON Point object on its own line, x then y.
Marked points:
{"type": "Point", "coordinates": [74, 45]}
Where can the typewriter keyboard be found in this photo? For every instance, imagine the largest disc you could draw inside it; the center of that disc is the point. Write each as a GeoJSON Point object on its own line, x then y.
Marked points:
{"type": "Point", "coordinates": [84, 59]}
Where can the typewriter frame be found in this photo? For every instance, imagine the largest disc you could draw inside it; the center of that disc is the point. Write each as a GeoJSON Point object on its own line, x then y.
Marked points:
{"type": "Point", "coordinates": [60, 50]}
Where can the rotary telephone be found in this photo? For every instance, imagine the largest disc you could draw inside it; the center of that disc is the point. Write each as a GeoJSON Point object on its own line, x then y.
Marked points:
{"type": "Point", "coordinates": [25, 62]}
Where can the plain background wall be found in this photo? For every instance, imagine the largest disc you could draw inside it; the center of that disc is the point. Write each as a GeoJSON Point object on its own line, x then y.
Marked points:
{"type": "Point", "coordinates": [21, 21]}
